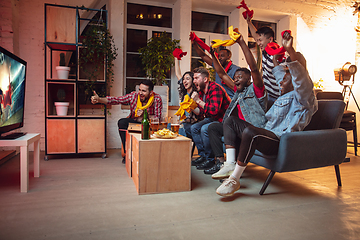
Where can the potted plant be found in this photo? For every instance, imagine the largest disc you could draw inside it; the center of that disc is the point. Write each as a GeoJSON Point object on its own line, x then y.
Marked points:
{"type": "Point", "coordinates": [62, 70]}
{"type": "Point", "coordinates": [96, 57]}
{"type": "Point", "coordinates": [157, 57]}
{"type": "Point", "coordinates": [61, 106]}
{"type": "Point", "coordinates": [318, 87]}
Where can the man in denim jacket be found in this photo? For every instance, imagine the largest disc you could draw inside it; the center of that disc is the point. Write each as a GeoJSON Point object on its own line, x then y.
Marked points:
{"type": "Point", "coordinates": [249, 104]}
{"type": "Point", "coordinates": [291, 112]}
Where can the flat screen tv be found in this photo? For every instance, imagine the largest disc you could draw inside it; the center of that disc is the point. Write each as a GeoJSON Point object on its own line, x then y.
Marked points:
{"type": "Point", "coordinates": [12, 93]}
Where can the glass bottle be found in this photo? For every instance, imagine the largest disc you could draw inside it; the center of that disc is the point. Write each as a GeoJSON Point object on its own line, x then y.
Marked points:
{"type": "Point", "coordinates": [145, 126]}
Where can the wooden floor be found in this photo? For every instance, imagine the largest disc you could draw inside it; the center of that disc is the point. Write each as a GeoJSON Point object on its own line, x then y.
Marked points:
{"type": "Point", "coordinates": [93, 198]}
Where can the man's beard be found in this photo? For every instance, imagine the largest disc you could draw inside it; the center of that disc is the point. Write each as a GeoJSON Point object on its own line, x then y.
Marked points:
{"type": "Point", "coordinates": [225, 63]}
{"type": "Point", "coordinates": [145, 99]}
{"type": "Point", "coordinates": [202, 86]}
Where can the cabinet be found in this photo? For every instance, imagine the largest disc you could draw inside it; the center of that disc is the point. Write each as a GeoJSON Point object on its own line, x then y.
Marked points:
{"type": "Point", "coordinates": [82, 129]}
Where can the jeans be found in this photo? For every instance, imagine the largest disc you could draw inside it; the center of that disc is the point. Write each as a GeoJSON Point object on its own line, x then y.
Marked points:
{"type": "Point", "coordinates": [187, 128]}
{"type": "Point", "coordinates": [216, 133]}
{"type": "Point", "coordinates": [199, 134]}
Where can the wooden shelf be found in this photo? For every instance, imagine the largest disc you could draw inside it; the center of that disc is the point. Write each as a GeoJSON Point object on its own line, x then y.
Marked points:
{"type": "Point", "coordinates": [82, 130]}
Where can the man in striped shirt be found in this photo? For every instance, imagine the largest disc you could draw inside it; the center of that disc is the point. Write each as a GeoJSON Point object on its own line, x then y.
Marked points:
{"type": "Point", "coordinates": [144, 94]}
{"type": "Point", "coordinates": [263, 36]}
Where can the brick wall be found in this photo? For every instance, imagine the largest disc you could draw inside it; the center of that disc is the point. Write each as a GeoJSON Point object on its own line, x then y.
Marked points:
{"type": "Point", "coordinates": [6, 28]}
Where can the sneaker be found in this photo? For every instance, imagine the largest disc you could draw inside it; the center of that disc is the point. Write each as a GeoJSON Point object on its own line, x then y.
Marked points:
{"type": "Point", "coordinates": [225, 171]}
{"type": "Point", "coordinates": [228, 187]}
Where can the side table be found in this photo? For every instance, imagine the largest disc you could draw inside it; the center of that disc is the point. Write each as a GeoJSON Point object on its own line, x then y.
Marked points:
{"type": "Point", "coordinates": [23, 142]}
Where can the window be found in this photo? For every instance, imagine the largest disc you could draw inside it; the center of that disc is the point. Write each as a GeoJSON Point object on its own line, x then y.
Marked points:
{"type": "Point", "coordinates": [149, 15]}
{"type": "Point", "coordinates": [207, 26]}
{"type": "Point", "coordinates": [206, 22]}
{"type": "Point", "coordinates": [143, 22]}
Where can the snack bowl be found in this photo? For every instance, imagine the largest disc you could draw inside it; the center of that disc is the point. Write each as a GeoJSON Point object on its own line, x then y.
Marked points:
{"type": "Point", "coordinates": [165, 134]}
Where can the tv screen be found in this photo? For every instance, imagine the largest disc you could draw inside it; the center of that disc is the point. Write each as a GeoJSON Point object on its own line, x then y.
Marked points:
{"type": "Point", "coordinates": [12, 91]}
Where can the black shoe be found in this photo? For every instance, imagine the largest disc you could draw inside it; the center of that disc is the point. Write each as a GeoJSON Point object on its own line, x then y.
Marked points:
{"type": "Point", "coordinates": [214, 168]}
{"type": "Point", "coordinates": [123, 161]}
{"type": "Point", "coordinates": [198, 161]}
{"type": "Point", "coordinates": [205, 165]}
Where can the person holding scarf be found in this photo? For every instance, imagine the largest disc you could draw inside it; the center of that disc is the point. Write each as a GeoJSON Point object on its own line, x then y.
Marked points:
{"type": "Point", "coordinates": [264, 38]}
{"type": "Point", "coordinates": [145, 98]}
{"type": "Point", "coordinates": [188, 111]}
{"type": "Point", "coordinates": [224, 58]}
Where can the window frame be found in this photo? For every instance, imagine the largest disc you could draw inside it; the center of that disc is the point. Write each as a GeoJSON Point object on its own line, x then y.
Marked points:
{"type": "Point", "coordinates": [150, 30]}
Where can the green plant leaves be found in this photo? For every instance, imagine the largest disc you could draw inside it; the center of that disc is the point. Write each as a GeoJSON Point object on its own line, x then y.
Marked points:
{"type": "Point", "coordinates": [157, 57]}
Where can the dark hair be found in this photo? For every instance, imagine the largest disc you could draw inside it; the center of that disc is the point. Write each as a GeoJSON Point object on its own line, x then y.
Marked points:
{"type": "Point", "coordinates": [266, 31]}
{"type": "Point", "coordinates": [148, 83]}
{"type": "Point", "coordinates": [245, 70]}
{"type": "Point", "coordinates": [228, 51]}
{"type": "Point", "coordinates": [182, 89]}
{"type": "Point", "coordinates": [204, 72]}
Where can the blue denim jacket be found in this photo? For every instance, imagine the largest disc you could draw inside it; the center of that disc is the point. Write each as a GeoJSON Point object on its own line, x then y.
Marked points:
{"type": "Point", "coordinates": [231, 73]}
{"type": "Point", "coordinates": [292, 111]}
{"type": "Point", "coordinates": [252, 108]}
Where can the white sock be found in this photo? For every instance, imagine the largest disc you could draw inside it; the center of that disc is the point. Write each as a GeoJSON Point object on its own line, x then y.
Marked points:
{"type": "Point", "coordinates": [230, 155]}
{"type": "Point", "coordinates": [238, 171]}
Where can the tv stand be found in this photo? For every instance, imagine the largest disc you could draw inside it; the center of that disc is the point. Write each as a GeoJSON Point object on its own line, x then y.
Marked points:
{"type": "Point", "coordinates": [13, 136]}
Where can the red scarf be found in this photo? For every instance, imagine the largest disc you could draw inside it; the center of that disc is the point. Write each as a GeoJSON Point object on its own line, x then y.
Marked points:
{"type": "Point", "coordinates": [247, 12]}
{"type": "Point", "coordinates": [195, 38]}
{"type": "Point", "coordinates": [274, 49]}
{"type": "Point", "coordinates": [227, 69]}
{"type": "Point", "coordinates": [178, 53]}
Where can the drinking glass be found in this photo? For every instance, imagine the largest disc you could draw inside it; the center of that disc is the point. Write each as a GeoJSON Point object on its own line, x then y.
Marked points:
{"type": "Point", "coordinates": [154, 124]}
{"type": "Point", "coordinates": [175, 124]}
{"type": "Point", "coordinates": [163, 123]}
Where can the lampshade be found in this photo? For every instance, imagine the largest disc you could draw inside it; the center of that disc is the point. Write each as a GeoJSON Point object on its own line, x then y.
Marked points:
{"type": "Point", "coordinates": [345, 72]}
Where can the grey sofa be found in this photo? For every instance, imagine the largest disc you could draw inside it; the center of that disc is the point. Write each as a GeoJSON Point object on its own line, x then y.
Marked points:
{"type": "Point", "coordinates": [321, 144]}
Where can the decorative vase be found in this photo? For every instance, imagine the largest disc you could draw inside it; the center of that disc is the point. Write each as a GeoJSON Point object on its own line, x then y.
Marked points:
{"type": "Point", "coordinates": [61, 108]}
{"type": "Point", "coordinates": [63, 72]}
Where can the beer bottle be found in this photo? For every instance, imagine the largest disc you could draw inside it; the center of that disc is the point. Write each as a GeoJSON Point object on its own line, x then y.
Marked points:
{"type": "Point", "coordinates": [145, 126]}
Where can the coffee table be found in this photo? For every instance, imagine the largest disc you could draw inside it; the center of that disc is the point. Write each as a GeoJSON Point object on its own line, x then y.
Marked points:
{"type": "Point", "coordinates": [159, 165]}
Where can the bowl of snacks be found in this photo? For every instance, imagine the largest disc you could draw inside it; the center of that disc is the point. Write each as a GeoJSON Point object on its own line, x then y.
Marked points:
{"type": "Point", "coordinates": [165, 134]}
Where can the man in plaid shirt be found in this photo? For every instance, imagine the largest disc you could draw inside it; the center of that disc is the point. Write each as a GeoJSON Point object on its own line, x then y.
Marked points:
{"type": "Point", "coordinates": [145, 90]}
{"type": "Point", "coordinates": [213, 102]}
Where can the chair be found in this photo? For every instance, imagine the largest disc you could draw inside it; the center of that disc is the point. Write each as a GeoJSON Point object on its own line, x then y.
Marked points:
{"type": "Point", "coordinates": [321, 144]}
{"type": "Point", "coordinates": [348, 121]}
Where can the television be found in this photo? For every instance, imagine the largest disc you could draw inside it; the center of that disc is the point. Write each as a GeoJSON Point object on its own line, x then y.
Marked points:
{"type": "Point", "coordinates": [12, 94]}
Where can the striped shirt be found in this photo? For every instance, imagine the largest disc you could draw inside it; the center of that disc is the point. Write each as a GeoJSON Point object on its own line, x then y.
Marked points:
{"type": "Point", "coordinates": [268, 77]}
{"type": "Point", "coordinates": [131, 99]}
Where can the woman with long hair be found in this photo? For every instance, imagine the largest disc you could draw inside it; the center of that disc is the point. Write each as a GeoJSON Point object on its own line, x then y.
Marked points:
{"type": "Point", "coordinates": [186, 87]}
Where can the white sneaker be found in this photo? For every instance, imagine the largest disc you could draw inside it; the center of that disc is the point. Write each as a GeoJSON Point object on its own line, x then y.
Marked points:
{"type": "Point", "coordinates": [228, 187]}
{"type": "Point", "coordinates": [225, 171]}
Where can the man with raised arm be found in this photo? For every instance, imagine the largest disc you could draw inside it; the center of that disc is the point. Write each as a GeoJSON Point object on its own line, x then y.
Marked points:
{"type": "Point", "coordinates": [291, 112]}
{"type": "Point", "coordinates": [145, 98]}
{"type": "Point", "coordinates": [249, 104]}
{"type": "Point", "coordinates": [263, 36]}
{"type": "Point", "coordinates": [225, 61]}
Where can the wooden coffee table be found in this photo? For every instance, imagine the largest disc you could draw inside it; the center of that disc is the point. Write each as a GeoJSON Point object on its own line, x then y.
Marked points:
{"type": "Point", "coordinates": [159, 165]}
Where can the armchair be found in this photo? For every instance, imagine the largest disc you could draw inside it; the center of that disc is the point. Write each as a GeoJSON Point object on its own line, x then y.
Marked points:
{"type": "Point", "coordinates": [321, 144]}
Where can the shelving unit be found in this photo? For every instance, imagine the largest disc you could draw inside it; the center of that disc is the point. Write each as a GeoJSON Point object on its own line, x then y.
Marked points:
{"type": "Point", "coordinates": [83, 129]}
